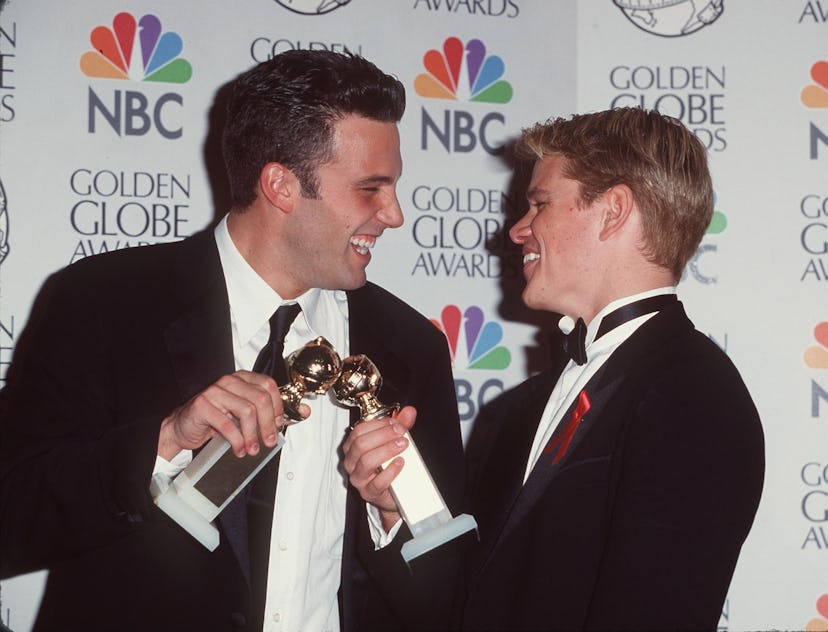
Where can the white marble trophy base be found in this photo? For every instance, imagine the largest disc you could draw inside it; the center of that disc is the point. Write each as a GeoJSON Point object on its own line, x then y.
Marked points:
{"type": "Point", "coordinates": [423, 508]}
{"type": "Point", "coordinates": [206, 486]}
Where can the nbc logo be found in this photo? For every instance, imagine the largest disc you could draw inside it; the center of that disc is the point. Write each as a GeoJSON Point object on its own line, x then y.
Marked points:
{"type": "Point", "coordinates": [483, 74]}
{"type": "Point", "coordinates": [815, 96]}
{"type": "Point", "coordinates": [462, 72]}
{"type": "Point", "coordinates": [816, 356]}
{"type": "Point", "coordinates": [135, 51]}
{"type": "Point", "coordinates": [481, 339]}
{"type": "Point", "coordinates": [820, 623]}
{"type": "Point", "coordinates": [718, 222]}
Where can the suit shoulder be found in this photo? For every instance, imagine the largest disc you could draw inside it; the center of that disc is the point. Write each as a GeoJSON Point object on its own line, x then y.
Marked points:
{"type": "Point", "coordinates": [128, 266]}
{"type": "Point", "coordinates": [395, 308]}
{"type": "Point", "coordinates": [126, 261]}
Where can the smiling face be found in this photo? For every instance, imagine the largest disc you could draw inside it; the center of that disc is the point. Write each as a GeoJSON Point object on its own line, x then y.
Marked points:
{"type": "Point", "coordinates": [560, 243]}
{"type": "Point", "coordinates": [330, 237]}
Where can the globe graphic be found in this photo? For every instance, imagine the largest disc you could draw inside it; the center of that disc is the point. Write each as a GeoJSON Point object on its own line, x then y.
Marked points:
{"type": "Point", "coordinates": [671, 18]}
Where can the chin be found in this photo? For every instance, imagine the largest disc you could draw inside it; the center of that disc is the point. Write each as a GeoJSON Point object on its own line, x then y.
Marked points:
{"type": "Point", "coordinates": [533, 301]}
{"type": "Point", "coordinates": [353, 283]}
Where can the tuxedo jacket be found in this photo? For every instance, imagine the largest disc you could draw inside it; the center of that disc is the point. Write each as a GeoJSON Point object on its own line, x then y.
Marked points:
{"type": "Point", "coordinates": [113, 345]}
{"type": "Point", "coordinates": [634, 516]}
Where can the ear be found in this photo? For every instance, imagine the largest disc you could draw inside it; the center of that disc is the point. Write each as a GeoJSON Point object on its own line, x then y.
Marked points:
{"type": "Point", "coordinates": [279, 186]}
{"type": "Point", "coordinates": [619, 204]}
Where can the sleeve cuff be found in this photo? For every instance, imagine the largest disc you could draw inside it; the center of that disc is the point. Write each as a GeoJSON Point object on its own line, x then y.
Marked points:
{"type": "Point", "coordinates": [380, 537]}
{"type": "Point", "coordinates": [173, 467]}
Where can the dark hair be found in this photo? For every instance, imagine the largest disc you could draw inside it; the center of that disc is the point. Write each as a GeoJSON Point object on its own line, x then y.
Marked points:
{"type": "Point", "coordinates": [284, 110]}
{"type": "Point", "coordinates": [663, 163]}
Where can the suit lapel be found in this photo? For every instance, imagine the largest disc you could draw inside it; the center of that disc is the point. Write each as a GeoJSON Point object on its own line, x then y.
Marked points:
{"type": "Point", "coordinates": [200, 346]}
{"type": "Point", "coordinates": [499, 487]}
{"type": "Point", "coordinates": [600, 392]}
{"type": "Point", "coordinates": [198, 338]}
{"type": "Point", "coordinates": [375, 336]}
{"type": "Point", "coordinates": [601, 388]}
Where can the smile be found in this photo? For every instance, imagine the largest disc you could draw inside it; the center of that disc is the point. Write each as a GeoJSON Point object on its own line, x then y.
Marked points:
{"type": "Point", "coordinates": [363, 244]}
{"type": "Point", "coordinates": [530, 256]}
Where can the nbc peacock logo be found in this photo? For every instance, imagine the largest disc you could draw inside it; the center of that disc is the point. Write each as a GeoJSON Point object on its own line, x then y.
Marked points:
{"type": "Point", "coordinates": [816, 356]}
{"type": "Point", "coordinates": [481, 339]}
{"type": "Point", "coordinates": [718, 222]}
{"type": "Point", "coordinates": [815, 95]}
{"type": "Point", "coordinates": [136, 51]}
{"type": "Point", "coordinates": [463, 73]}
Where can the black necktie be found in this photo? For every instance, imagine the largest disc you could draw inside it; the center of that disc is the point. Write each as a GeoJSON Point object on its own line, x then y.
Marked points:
{"type": "Point", "coordinates": [574, 343]}
{"type": "Point", "coordinates": [270, 360]}
{"type": "Point", "coordinates": [262, 490]}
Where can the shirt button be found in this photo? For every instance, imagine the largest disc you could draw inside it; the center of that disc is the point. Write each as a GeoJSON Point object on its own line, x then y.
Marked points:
{"type": "Point", "coordinates": [277, 617]}
{"type": "Point", "coordinates": [282, 546]}
{"type": "Point", "coordinates": [289, 476]}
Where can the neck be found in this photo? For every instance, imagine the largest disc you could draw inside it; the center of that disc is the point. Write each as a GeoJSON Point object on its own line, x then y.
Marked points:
{"type": "Point", "coordinates": [256, 236]}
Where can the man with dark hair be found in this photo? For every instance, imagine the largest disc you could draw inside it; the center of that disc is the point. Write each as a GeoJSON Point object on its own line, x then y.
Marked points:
{"type": "Point", "coordinates": [136, 358]}
{"type": "Point", "coordinates": [616, 489]}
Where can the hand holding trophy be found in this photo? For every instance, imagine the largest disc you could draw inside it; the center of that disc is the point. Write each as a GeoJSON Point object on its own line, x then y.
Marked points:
{"type": "Point", "coordinates": [214, 477]}
{"type": "Point", "coordinates": [417, 497]}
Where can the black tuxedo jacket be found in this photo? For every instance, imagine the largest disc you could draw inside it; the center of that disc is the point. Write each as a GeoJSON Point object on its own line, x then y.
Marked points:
{"type": "Point", "coordinates": [639, 524]}
{"type": "Point", "coordinates": [113, 345]}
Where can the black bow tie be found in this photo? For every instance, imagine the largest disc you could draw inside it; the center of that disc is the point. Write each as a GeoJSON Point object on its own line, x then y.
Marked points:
{"type": "Point", "coordinates": [574, 343]}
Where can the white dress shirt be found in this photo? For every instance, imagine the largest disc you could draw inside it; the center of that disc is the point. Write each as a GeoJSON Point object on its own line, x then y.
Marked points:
{"type": "Point", "coordinates": [309, 513]}
{"type": "Point", "coordinates": [574, 376]}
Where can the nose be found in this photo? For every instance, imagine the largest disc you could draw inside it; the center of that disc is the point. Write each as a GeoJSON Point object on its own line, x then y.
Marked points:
{"type": "Point", "coordinates": [391, 214]}
{"type": "Point", "coordinates": [522, 228]}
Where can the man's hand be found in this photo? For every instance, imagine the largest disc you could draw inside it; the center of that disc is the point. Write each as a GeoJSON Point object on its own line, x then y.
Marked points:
{"type": "Point", "coordinates": [241, 407]}
{"type": "Point", "coordinates": [367, 447]}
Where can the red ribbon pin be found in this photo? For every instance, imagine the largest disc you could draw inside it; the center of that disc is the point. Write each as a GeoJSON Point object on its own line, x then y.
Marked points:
{"type": "Point", "coordinates": [562, 441]}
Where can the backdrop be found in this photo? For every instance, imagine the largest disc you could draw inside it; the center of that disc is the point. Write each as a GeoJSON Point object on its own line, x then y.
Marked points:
{"type": "Point", "coordinates": [108, 120]}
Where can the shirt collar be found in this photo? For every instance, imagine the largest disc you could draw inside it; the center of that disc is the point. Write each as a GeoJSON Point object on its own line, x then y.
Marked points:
{"type": "Point", "coordinates": [567, 323]}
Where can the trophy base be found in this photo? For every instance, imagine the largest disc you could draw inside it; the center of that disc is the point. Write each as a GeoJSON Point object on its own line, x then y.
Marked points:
{"type": "Point", "coordinates": [207, 485]}
{"type": "Point", "coordinates": [428, 539]}
{"type": "Point", "coordinates": [168, 501]}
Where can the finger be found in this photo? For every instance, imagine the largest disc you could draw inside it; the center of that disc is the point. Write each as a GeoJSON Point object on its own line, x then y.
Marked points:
{"type": "Point", "coordinates": [264, 382]}
{"type": "Point", "coordinates": [377, 490]}
{"type": "Point", "coordinates": [204, 416]}
{"type": "Point", "coordinates": [406, 417]}
{"type": "Point", "coordinates": [268, 420]}
{"type": "Point", "coordinates": [363, 465]}
{"type": "Point", "coordinates": [367, 436]}
{"type": "Point", "coordinates": [250, 406]}
{"type": "Point", "coordinates": [386, 474]}
{"type": "Point", "coordinates": [304, 412]}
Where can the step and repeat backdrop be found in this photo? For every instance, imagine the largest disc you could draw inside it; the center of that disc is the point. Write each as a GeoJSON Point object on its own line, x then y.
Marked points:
{"type": "Point", "coordinates": [109, 128]}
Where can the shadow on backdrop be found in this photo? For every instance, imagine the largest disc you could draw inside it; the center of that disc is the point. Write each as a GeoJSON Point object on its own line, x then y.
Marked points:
{"type": "Point", "coordinates": [212, 154]}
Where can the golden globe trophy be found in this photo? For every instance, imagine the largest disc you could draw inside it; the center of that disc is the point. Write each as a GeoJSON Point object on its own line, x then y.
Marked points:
{"type": "Point", "coordinates": [417, 497]}
{"type": "Point", "coordinates": [207, 485]}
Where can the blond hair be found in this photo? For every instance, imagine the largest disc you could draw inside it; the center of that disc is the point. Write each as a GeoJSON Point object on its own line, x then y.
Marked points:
{"type": "Point", "coordinates": [656, 156]}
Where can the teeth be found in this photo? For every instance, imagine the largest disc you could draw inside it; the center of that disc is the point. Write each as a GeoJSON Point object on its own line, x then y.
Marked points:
{"type": "Point", "coordinates": [362, 245]}
{"type": "Point", "coordinates": [532, 256]}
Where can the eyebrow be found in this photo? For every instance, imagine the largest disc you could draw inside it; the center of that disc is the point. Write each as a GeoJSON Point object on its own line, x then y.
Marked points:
{"type": "Point", "coordinates": [375, 180]}
{"type": "Point", "coordinates": [535, 192]}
